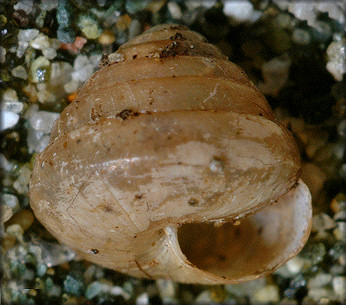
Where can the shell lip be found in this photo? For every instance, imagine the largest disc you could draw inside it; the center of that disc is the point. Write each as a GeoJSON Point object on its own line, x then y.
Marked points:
{"type": "Point", "coordinates": [298, 202]}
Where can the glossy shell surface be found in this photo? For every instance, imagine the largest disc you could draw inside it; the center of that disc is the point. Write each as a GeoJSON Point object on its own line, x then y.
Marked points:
{"type": "Point", "coordinates": [171, 164]}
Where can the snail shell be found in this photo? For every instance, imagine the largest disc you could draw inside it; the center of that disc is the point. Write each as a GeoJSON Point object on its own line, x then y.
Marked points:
{"type": "Point", "coordinates": [170, 164]}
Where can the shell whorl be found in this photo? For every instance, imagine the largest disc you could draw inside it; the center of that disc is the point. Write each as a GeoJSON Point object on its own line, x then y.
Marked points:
{"type": "Point", "coordinates": [167, 69]}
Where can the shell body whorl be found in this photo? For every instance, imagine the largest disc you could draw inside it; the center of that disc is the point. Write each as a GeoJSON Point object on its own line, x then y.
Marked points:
{"type": "Point", "coordinates": [164, 151]}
